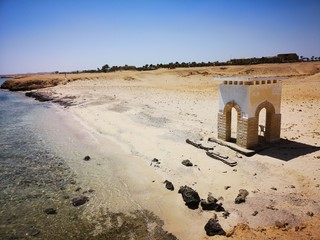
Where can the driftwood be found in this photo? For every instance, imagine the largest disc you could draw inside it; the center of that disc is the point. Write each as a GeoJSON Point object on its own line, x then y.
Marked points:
{"type": "Point", "coordinates": [198, 145]}
{"type": "Point", "coordinates": [216, 156]}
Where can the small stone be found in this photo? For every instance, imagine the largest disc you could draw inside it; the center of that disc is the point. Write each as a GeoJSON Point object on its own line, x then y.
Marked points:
{"type": "Point", "coordinates": [292, 186]}
{"type": "Point", "coordinates": [224, 172]}
{"type": "Point", "coordinates": [91, 190]}
{"type": "Point", "coordinates": [255, 174]}
{"type": "Point", "coordinates": [187, 163]}
{"type": "Point", "coordinates": [86, 158]}
{"type": "Point", "coordinates": [235, 170]}
{"type": "Point", "coordinates": [318, 185]}
{"type": "Point", "coordinates": [169, 185]}
{"type": "Point", "coordinates": [310, 214]}
{"type": "Point", "coordinates": [227, 187]}
{"type": "Point", "coordinates": [280, 224]}
{"type": "Point", "coordinates": [226, 214]}
{"type": "Point", "coordinates": [243, 193]}
{"type": "Point", "coordinates": [255, 213]}
{"type": "Point", "coordinates": [78, 189]}
{"type": "Point", "coordinates": [273, 188]}
{"type": "Point", "coordinates": [79, 200]}
{"type": "Point", "coordinates": [50, 211]}
{"type": "Point", "coordinates": [72, 181]}
{"type": "Point", "coordinates": [155, 160]}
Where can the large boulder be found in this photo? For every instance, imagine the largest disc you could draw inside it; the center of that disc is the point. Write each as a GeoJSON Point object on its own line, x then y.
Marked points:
{"type": "Point", "coordinates": [213, 228]}
{"type": "Point", "coordinates": [190, 196]}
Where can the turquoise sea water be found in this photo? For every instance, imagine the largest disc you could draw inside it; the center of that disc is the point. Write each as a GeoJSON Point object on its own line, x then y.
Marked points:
{"type": "Point", "coordinates": [34, 176]}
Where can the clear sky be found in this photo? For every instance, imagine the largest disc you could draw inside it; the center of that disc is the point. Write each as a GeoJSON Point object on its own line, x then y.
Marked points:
{"type": "Point", "coordinates": [67, 35]}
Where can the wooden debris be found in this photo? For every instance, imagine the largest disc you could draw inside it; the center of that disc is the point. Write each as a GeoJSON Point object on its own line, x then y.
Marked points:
{"type": "Point", "coordinates": [198, 145]}
{"type": "Point", "coordinates": [216, 156]}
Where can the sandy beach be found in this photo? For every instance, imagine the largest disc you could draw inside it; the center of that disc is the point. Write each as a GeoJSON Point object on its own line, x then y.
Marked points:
{"type": "Point", "coordinates": [128, 118]}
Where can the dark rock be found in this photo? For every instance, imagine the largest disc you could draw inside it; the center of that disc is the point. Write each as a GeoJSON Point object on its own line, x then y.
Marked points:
{"type": "Point", "coordinates": [40, 96]}
{"type": "Point", "coordinates": [255, 213]}
{"type": "Point", "coordinates": [241, 196]}
{"type": "Point", "coordinates": [310, 214]}
{"type": "Point", "coordinates": [72, 181]}
{"type": "Point", "coordinates": [169, 185]}
{"type": "Point", "coordinates": [78, 189]}
{"type": "Point", "coordinates": [155, 160]}
{"type": "Point", "coordinates": [227, 187]}
{"type": "Point", "coordinates": [226, 214]}
{"type": "Point", "coordinates": [273, 188]}
{"type": "Point", "coordinates": [50, 211]}
{"type": "Point", "coordinates": [190, 196]}
{"type": "Point", "coordinates": [213, 228]}
{"type": "Point", "coordinates": [86, 158]}
{"type": "Point", "coordinates": [211, 204]}
{"type": "Point", "coordinates": [79, 200]}
{"type": "Point", "coordinates": [187, 163]}
{"type": "Point", "coordinates": [279, 224]}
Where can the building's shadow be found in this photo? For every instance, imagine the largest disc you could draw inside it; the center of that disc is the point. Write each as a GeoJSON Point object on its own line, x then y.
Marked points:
{"type": "Point", "coordinates": [287, 150]}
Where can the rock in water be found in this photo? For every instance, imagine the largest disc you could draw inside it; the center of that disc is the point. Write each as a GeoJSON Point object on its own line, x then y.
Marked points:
{"type": "Point", "coordinates": [50, 211]}
{"type": "Point", "coordinates": [79, 200]}
{"type": "Point", "coordinates": [241, 196]}
{"type": "Point", "coordinates": [187, 163]}
{"type": "Point", "coordinates": [86, 158]}
{"type": "Point", "coordinates": [214, 228]}
{"type": "Point", "coordinates": [190, 196]}
{"type": "Point", "coordinates": [169, 185]}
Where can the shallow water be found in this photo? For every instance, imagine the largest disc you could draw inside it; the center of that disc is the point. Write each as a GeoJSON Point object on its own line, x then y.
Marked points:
{"type": "Point", "coordinates": [36, 150]}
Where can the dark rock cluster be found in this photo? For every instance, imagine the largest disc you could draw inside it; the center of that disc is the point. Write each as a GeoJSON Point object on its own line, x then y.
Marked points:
{"type": "Point", "coordinates": [190, 197]}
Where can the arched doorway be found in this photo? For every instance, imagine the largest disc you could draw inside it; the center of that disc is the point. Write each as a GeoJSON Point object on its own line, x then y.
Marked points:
{"type": "Point", "coordinates": [264, 114]}
{"type": "Point", "coordinates": [262, 118]}
{"type": "Point", "coordinates": [232, 113]}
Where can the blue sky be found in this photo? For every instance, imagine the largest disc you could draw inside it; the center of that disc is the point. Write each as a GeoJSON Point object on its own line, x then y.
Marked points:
{"type": "Point", "coordinates": [67, 35]}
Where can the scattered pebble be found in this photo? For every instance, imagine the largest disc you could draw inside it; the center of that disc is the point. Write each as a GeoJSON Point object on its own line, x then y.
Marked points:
{"type": "Point", "coordinates": [225, 214]}
{"type": "Point", "coordinates": [79, 200]}
{"type": "Point", "coordinates": [243, 193]}
{"type": "Point", "coordinates": [235, 170]}
{"type": "Point", "coordinates": [273, 188]}
{"type": "Point", "coordinates": [169, 185]}
{"type": "Point", "coordinates": [86, 158]}
{"type": "Point", "coordinates": [187, 163]}
{"type": "Point", "coordinates": [227, 187]}
{"type": "Point", "coordinates": [310, 214]}
{"type": "Point", "coordinates": [255, 213]}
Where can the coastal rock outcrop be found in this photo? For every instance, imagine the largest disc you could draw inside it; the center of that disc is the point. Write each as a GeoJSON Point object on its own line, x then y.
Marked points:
{"type": "Point", "coordinates": [190, 196]}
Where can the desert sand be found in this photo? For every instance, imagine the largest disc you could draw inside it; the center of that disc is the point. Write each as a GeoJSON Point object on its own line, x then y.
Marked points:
{"type": "Point", "coordinates": [133, 117]}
